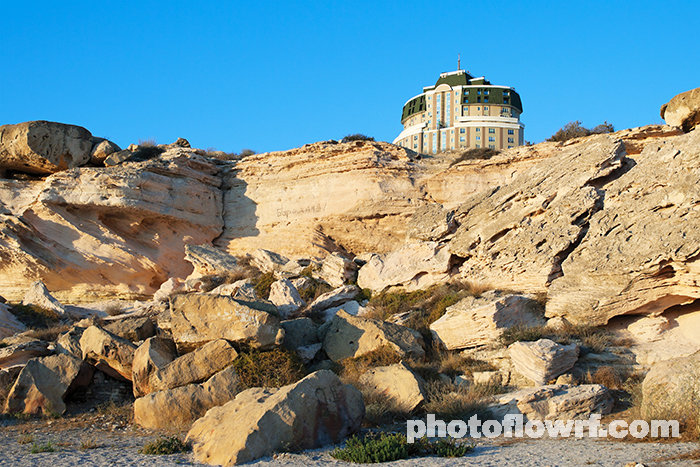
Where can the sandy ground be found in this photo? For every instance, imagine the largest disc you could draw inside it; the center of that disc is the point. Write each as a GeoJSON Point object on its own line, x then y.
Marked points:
{"type": "Point", "coordinates": [117, 443]}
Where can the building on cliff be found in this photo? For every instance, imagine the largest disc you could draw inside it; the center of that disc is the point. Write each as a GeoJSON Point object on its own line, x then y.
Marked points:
{"type": "Point", "coordinates": [461, 112]}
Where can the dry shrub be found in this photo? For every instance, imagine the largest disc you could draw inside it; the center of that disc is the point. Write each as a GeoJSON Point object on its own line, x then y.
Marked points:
{"type": "Point", "coordinates": [448, 363]}
{"type": "Point", "coordinates": [34, 316]}
{"type": "Point", "coordinates": [314, 289]}
{"type": "Point", "coordinates": [263, 283]}
{"type": "Point", "coordinates": [352, 368]}
{"type": "Point", "coordinates": [449, 401]}
{"type": "Point", "coordinates": [50, 333]}
{"type": "Point", "coordinates": [606, 376]}
{"type": "Point", "coordinates": [592, 338]}
{"type": "Point", "coordinates": [268, 369]}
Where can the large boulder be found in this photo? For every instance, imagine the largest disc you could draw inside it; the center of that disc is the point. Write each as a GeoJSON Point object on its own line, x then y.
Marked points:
{"type": "Point", "coordinates": [101, 149]}
{"type": "Point", "coordinates": [45, 382]}
{"type": "Point", "coordinates": [352, 336]}
{"type": "Point", "coordinates": [134, 329]}
{"type": "Point", "coordinates": [671, 389]}
{"type": "Point", "coordinates": [21, 352]}
{"type": "Point", "coordinates": [177, 408]}
{"type": "Point", "coordinates": [415, 265]}
{"type": "Point", "coordinates": [316, 411]}
{"type": "Point", "coordinates": [299, 332]}
{"type": "Point", "coordinates": [153, 354]}
{"type": "Point", "coordinates": [336, 270]}
{"type": "Point", "coordinates": [110, 353]}
{"type": "Point", "coordinates": [473, 322]}
{"type": "Point", "coordinates": [43, 147]}
{"type": "Point", "coordinates": [195, 319]}
{"type": "Point", "coordinates": [396, 383]}
{"type": "Point", "coordinates": [40, 296]}
{"type": "Point", "coordinates": [334, 298]}
{"type": "Point", "coordinates": [543, 360]}
{"type": "Point", "coordinates": [9, 324]}
{"type": "Point", "coordinates": [194, 367]}
{"type": "Point", "coordinates": [285, 297]}
{"type": "Point", "coordinates": [683, 110]}
{"type": "Point", "coordinates": [208, 260]}
{"type": "Point", "coordinates": [555, 402]}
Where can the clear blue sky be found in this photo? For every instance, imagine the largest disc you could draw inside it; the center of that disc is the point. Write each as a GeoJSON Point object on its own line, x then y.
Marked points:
{"type": "Point", "coordinates": [276, 75]}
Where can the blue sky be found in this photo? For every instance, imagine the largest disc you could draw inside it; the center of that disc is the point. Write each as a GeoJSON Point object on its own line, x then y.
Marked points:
{"type": "Point", "coordinates": [277, 75]}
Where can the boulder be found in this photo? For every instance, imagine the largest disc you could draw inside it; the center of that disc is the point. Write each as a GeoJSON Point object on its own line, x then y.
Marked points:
{"type": "Point", "coordinates": [69, 342]}
{"type": "Point", "coordinates": [313, 412]}
{"type": "Point", "coordinates": [397, 383]}
{"type": "Point", "coordinates": [299, 332]}
{"type": "Point", "coordinates": [242, 289]}
{"type": "Point", "coordinates": [21, 352]}
{"type": "Point", "coordinates": [132, 329]}
{"type": "Point", "coordinates": [9, 324]}
{"type": "Point", "coordinates": [45, 382]}
{"type": "Point", "coordinates": [167, 289]}
{"type": "Point", "coordinates": [101, 149]}
{"type": "Point", "coordinates": [336, 270]}
{"type": "Point", "coordinates": [683, 110]}
{"type": "Point", "coordinates": [334, 298]}
{"type": "Point", "coordinates": [473, 322]}
{"type": "Point", "coordinates": [285, 297]}
{"type": "Point", "coordinates": [267, 261]}
{"type": "Point", "coordinates": [351, 336]}
{"type": "Point", "coordinates": [555, 402]}
{"type": "Point", "coordinates": [352, 308]}
{"type": "Point", "coordinates": [542, 360]}
{"type": "Point", "coordinates": [415, 265]}
{"type": "Point", "coordinates": [40, 296]}
{"type": "Point", "coordinates": [110, 353]}
{"type": "Point", "coordinates": [177, 408]}
{"type": "Point", "coordinates": [117, 158]}
{"type": "Point", "coordinates": [194, 367]}
{"type": "Point", "coordinates": [430, 223]}
{"type": "Point", "coordinates": [208, 260]}
{"type": "Point", "coordinates": [153, 354]}
{"type": "Point", "coordinates": [671, 389]}
{"type": "Point", "coordinates": [486, 377]}
{"type": "Point", "coordinates": [195, 319]}
{"type": "Point", "coordinates": [42, 147]}
{"type": "Point", "coordinates": [308, 352]}
{"type": "Point", "coordinates": [8, 376]}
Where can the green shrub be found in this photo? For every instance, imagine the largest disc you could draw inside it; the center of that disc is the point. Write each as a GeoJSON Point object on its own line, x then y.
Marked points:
{"type": "Point", "coordinates": [314, 289]}
{"type": "Point", "coordinates": [263, 283]}
{"type": "Point", "coordinates": [356, 137]}
{"type": "Point", "coordinates": [34, 316]}
{"type": "Point", "coordinates": [45, 447]}
{"type": "Point", "coordinates": [165, 446]}
{"type": "Point", "coordinates": [387, 447]}
{"type": "Point", "coordinates": [268, 369]}
{"type": "Point", "coordinates": [576, 130]}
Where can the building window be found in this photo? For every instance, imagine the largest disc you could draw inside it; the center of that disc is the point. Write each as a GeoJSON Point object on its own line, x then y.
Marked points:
{"type": "Point", "coordinates": [478, 129]}
{"type": "Point", "coordinates": [461, 139]}
{"type": "Point", "coordinates": [492, 139]}
{"type": "Point", "coordinates": [510, 132]}
{"type": "Point", "coordinates": [492, 130]}
{"type": "Point", "coordinates": [478, 145]}
{"type": "Point", "coordinates": [486, 107]}
{"type": "Point", "coordinates": [415, 146]}
{"type": "Point", "coordinates": [462, 130]}
{"type": "Point", "coordinates": [478, 108]}
{"type": "Point", "coordinates": [510, 140]}
{"type": "Point", "coordinates": [486, 98]}
{"type": "Point", "coordinates": [510, 147]}
{"type": "Point", "coordinates": [478, 138]}
{"type": "Point", "coordinates": [492, 146]}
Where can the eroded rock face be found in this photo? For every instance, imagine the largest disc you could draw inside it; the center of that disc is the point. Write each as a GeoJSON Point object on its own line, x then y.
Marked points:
{"type": "Point", "coordinates": [194, 319]}
{"type": "Point", "coordinates": [316, 411]}
{"type": "Point", "coordinates": [9, 324]}
{"type": "Point", "coordinates": [109, 352]}
{"type": "Point", "coordinates": [671, 389]}
{"type": "Point", "coordinates": [543, 360]}
{"type": "Point", "coordinates": [42, 147]}
{"type": "Point", "coordinates": [683, 110]}
{"type": "Point", "coordinates": [149, 357]}
{"type": "Point", "coordinates": [352, 336]}
{"type": "Point", "coordinates": [480, 321]}
{"type": "Point", "coordinates": [179, 407]}
{"type": "Point", "coordinates": [21, 352]}
{"type": "Point", "coordinates": [44, 382]}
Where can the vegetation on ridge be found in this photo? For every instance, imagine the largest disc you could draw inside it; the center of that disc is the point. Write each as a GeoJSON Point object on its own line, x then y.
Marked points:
{"type": "Point", "coordinates": [576, 130]}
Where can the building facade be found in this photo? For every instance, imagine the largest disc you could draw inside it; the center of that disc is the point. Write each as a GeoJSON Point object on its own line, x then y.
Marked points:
{"type": "Point", "coordinates": [462, 112]}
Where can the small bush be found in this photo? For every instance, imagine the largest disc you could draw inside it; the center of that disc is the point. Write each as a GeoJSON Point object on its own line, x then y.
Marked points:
{"type": "Point", "coordinates": [313, 290]}
{"type": "Point", "coordinates": [475, 154]}
{"type": "Point", "coordinates": [26, 439]}
{"type": "Point", "coordinates": [451, 401]}
{"type": "Point", "coordinates": [145, 152]}
{"type": "Point", "coordinates": [576, 130]}
{"type": "Point", "coordinates": [88, 444]}
{"type": "Point", "coordinates": [263, 283]}
{"type": "Point", "coordinates": [247, 152]}
{"type": "Point", "coordinates": [34, 316]}
{"type": "Point", "coordinates": [165, 446]}
{"type": "Point", "coordinates": [45, 447]}
{"type": "Point", "coordinates": [606, 376]}
{"type": "Point", "coordinates": [268, 369]}
{"type": "Point", "coordinates": [50, 333]}
{"type": "Point", "coordinates": [387, 447]}
{"type": "Point", "coordinates": [356, 137]}
{"type": "Point", "coordinates": [148, 143]}
{"type": "Point", "coordinates": [591, 338]}
{"type": "Point", "coordinates": [353, 368]}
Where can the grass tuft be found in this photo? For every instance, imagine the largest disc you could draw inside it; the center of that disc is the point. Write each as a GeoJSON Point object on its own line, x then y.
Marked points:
{"type": "Point", "coordinates": [165, 446]}
{"type": "Point", "coordinates": [268, 369]}
{"type": "Point", "coordinates": [45, 447]}
{"type": "Point", "coordinates": [34, 316]}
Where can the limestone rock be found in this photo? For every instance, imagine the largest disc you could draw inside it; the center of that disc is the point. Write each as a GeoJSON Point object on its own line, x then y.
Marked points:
{"type": "Point", "coordinates": [111, 353]}
{"type": "Point", "coordinates": [267, 261]}
{"type": "Point", "coordinates": [405, 266]}
{"type": "Point", "coordinates": [194, 367]}
{"type": "Point", "coordinates": [117, 157]}
{"type": "Point", "coordinates": [208, 260]}
{"type": "Point", "coordinates": [430, 223]}
{"type": "Point", "coordinates": [334, 298]}
{"type": "Point", "coordinates": [149, 357]}
{"type": "Point", "coordinates": [352, 308]}
{"type": "Point", "coordinates": [43, 147]}
{"type": "Point", "coordinates": [480, 321]}
{"type": "Point", "coordinates": [683, 110]}
{"type": "Point", "coordinates": [132, 329]}
{"type": "Point", "coordinates": [69, 342]}
{"type": "Point", "coordinates": [396, 383]}
{"type": "Point", "coordinates": [542, 360]}
{"type": "Point", "coordinates": [21, 352]}
{"type": "Point", "coordinates": [194, 319]}
{"type": "Point", "coordinates": [671, 389]}
{"type": "Point", "coordinates": [299, 332]}
{"type": "Point", "coordinates": [44, 382]}
{"type": "Point", "coordinates": [649, 328]}
{"type": "Point", "coordinates": [167, 289]}
{"type": "Point", "coordinates": [308, 352]}
{"type": "Point", "coordinates": [316, 411]}
{"type": "Point", "coordinates": [9, 324]}
{"type": "Point", "coordinates": [555, 402]}
{"type": "Point", "coordinates": [285, 297]}
{"type": "Point", "coordinates": [350, 336]}
{"type": "Point", "coordinates": [8, 376]}
{"type": "Point", "coordinates": [486, 377]}
{"type": "Point", "coordinates": [101, 149]}
{"type": "Point", "coordinates": [40, 296]}
{"type": "Point", "coordinates": [336, 270]}
{"type": "Point", "coordinates": [177, 408]}
{"type": "Point", "coordinates": [242, 290]}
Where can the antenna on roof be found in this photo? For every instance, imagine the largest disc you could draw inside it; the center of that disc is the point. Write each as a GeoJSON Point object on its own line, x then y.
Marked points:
{"type": "Point", "coordinates": [459, 59]}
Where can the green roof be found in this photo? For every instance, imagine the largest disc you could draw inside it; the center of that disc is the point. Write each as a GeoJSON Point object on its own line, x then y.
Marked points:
{"type": "Point", "coordinates": [455, 79]}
